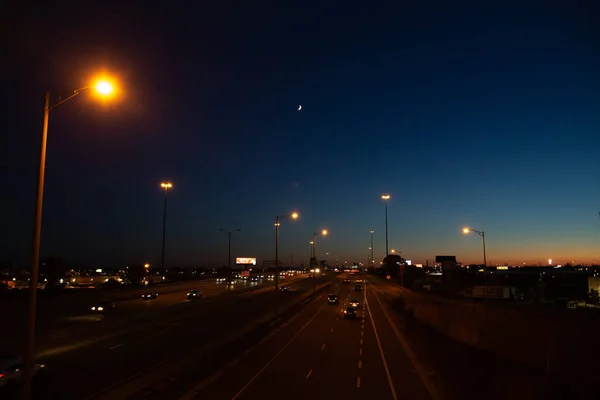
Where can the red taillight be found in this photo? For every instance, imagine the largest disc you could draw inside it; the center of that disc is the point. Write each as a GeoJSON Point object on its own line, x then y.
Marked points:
{"type": "Point", "coordinates": [1, 375]}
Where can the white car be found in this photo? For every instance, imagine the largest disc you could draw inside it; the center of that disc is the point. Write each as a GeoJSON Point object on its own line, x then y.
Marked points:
{"type": "Point", "coordinates": [11, 367]}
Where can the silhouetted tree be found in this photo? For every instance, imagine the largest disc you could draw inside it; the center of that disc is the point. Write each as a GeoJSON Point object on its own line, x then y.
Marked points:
{"type": "Point", "coordinates": [391, 266]}
{"type": "Point", "coordinates": [135, 273]}
{"type": "Point", "coordinates": [53, 268]}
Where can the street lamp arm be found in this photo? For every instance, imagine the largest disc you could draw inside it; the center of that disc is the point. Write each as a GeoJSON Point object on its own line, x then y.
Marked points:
{"type": "Point", "coordinates": [229, 232]}
{"type": "Point", "coordinates": [480, 233]}
{"type": "Point", "coordinates": [75, 93]}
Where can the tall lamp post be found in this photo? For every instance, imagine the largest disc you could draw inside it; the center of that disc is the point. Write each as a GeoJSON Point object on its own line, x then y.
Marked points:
{"type": "Point", "coordinates": [166, 186]}
{"type": "Point", "coordinates": [229, 233]}
{"type": "Point", "coordinates": [385, 198]}
{"type": "Point", "coordinates": [371, 248]}
{"type": "Point", "coordinates": [485, 274]}
{"type": "Point", "coordinates": [103, 88]}
{"type": "Point", "coordinates": [314, 243]}
{"type": "Point", "coordinates": [278, 218]}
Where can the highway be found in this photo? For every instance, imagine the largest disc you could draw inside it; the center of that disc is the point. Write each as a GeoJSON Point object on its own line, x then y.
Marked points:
{"type": "Point", "coordinates": [179, 352]}
{"type": "Point", "coordinates": [319, 354]}
{"type": "Point", "coordinates": [101, 363]}
{"type": "Point", "coordinates": [62, 319]}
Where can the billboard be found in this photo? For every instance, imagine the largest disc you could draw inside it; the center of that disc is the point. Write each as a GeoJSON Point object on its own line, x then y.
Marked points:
{"type": "Point", "coordinates": [245, 261]}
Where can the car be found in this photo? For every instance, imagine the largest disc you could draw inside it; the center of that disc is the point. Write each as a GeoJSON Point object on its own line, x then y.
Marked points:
{"type": "Point", "coordinates": [284, 289]}
{"type": "Point", "coordinates": [346, 280]}
{"type": "Point", "coordinates": [358, 288]}
{"type": "Point", "coordinates": [254, 279]}
{"type": "Point", "coordinates": [221, 280]}
{"type": "Point", "coordinates": [11, 367]}
{"type": "Point", "coordinates": [333, 299]}
{"type": "Point", "coordinates": [103, 306]}
{"type": "Point", "coordinates": [354, 303]}
{"type": "Point", "coordinates": [194, 294]}
{"type": "Point", "coordinates": [150, 296]}
{"type": "Point", "coordinates": [350, 312]}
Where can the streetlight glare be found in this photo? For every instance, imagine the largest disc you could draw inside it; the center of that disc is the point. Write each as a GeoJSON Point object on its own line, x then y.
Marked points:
{"type": "Point", "coordinates": [146, 265]}
{"type": "Point", "coordinates": [166, 185]}
{"type": "Point", "coordinates": [386, 196]}
{"type": "Point", "coordinates": [324, 232]}
{"type": "Point", "coordinates": [104, 87]}
{"type": "Point", "coordinates": [295, 215]}
{"type": "Point", "coordinates": [466, 230]}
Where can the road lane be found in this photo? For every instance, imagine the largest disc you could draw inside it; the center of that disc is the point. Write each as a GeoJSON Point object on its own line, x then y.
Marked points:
{"type": "Point", "coordinates": [99, 365]}
{"type": "Point", "coordinates": [321, 354]}
{"type": "Point", "coordinates": [75, 322]}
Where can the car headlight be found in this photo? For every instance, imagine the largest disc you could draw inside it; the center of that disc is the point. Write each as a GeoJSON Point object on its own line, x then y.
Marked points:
{"type": "Point", "coordinates": [93, 308]}
{"type": "Point", "coordinates": [100, 308]}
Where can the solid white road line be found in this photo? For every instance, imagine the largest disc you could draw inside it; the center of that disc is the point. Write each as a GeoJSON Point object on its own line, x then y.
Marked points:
{"type": "Point", "coordinates": [429, 385]}
{"type": "Point", "coordinates": [277, 355]}
{"type": "Point", "coordinates": [323, 347]}
{"type": "Point", "coordinates": [308, 375]}
{"type": "Point", "coordinates": [385, 366]}
{"type": "Point", "coordinates": [116, 346]}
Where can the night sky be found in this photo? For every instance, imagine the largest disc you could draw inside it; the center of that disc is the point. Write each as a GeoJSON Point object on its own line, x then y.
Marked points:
{"type": "Point", "coordinates": [468, 114]}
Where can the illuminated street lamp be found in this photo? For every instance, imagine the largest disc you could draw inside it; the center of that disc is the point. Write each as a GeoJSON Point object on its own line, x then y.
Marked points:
{"type": "Point", "coordinates": [103, 88]}
{"type": "Point", "coordinates": [385, 198]}
{"type": "Point", "coordinates": [482, 234]}
{"type": "Point", "coordinates": [166, 186]}
{"type": "Point", "coordinates": [314, 241]}
{"type": "Point", "coordinates": [278, 218]}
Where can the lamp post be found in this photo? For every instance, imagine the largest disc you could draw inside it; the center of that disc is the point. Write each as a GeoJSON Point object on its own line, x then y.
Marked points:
{"type": "Point", "coordinates": [385, 198]}
{"type": "Point", "coordinates": [166, 186]}
{"type": "Point", "coordinates": [371, 248]}
{"type": "Point", "coordinates": [314, 243]}
{"type": "Point", "coordinates": [229, 233]}
{"type": "Point", "coordinates": [482, 234]}
{"type": "Point", "coordinates": [103, 88]}
{"type": "Point", "coordinates": [278, 218]}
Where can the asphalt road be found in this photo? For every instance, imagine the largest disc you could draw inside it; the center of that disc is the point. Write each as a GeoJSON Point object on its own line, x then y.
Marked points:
{"type": "Point", "coordinates": [319, 354]}
{"type": "Point", "coordinates": [89, 370]}
{"type": "Point", "coordinates": [67, 318]}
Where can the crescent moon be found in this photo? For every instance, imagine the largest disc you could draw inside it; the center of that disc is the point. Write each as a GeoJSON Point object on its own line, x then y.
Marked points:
{"type": "Point", "coordinates": [300, 107]}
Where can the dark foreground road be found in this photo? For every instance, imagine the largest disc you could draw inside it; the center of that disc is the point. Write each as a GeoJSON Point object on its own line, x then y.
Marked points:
{"type": "Point", "coordinates": [319, 354]}
{"type": "Point", "coordinates": [92, 369]}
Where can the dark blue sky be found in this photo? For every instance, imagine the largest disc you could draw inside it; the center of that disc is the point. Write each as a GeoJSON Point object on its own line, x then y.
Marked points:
{"type": "Point", "coordinates": [466, 113]}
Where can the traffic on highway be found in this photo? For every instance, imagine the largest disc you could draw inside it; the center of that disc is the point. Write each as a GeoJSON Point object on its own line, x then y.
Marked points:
{"type": "Point", "coordinates": [312, 333]}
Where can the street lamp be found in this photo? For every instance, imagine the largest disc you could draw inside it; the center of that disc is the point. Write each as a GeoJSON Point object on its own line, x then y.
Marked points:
{"type": "Point", "coordinates": [385, 198]}
{"type": "Point", "coordinates": [229, 233]}
{"type": "Point", "coordinates": [314, 241]}
{"type": "Point", "coordinates": [166, 186]}
{"type": "Point", "coordinates": [371, 248]}
{"type": "Point", "coordinates": [278, 218]}
{"type": "Point", "coordinates": [482, 234]}
{"type": "Point", "coordinates": [103, 88]}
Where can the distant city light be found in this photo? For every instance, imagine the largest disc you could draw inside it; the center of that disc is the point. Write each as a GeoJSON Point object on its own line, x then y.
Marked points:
{"type": "Point", "coordinates": [549, 261]}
